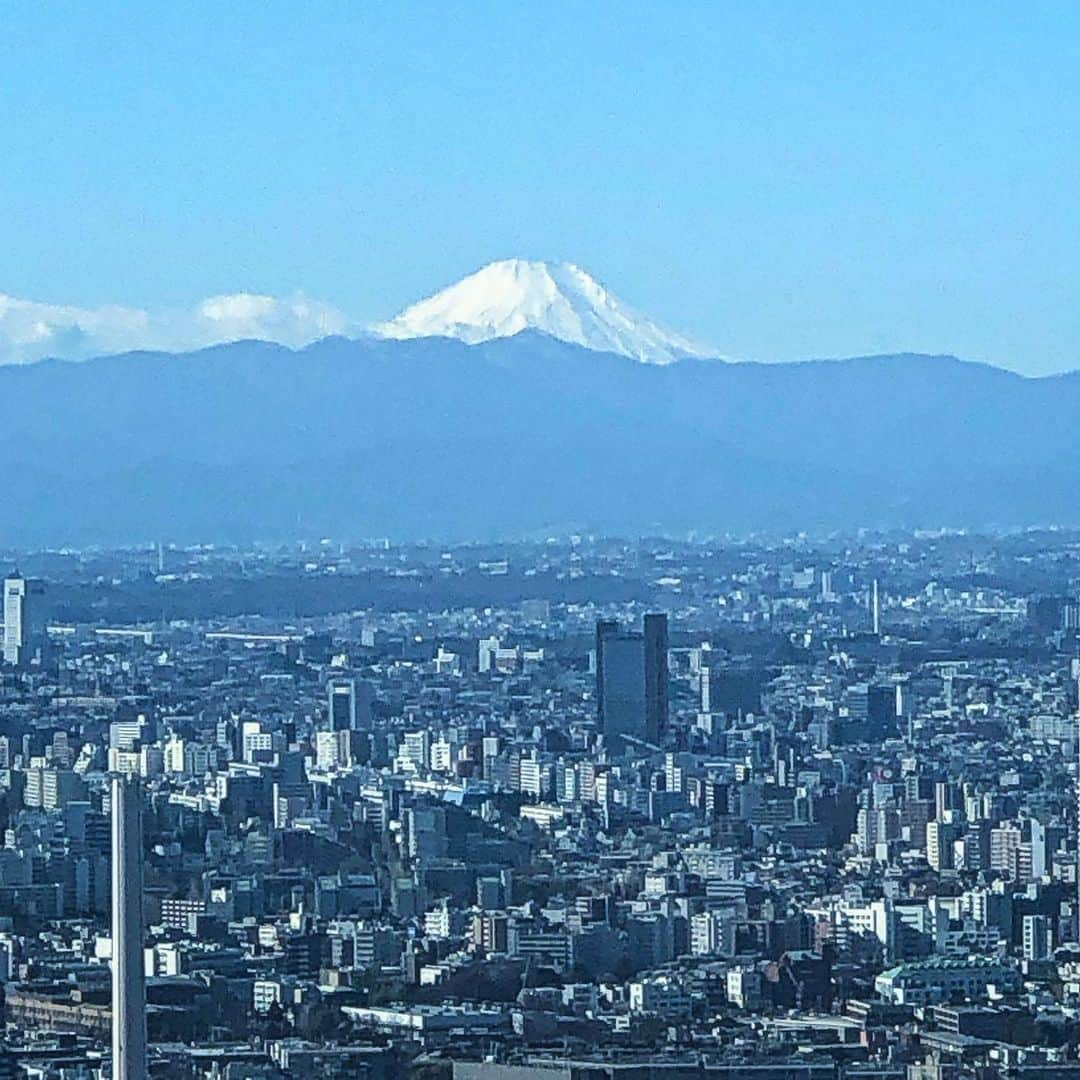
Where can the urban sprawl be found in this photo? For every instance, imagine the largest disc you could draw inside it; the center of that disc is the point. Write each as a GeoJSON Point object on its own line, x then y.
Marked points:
{"type": "Point", "coordinates": [571, 809]}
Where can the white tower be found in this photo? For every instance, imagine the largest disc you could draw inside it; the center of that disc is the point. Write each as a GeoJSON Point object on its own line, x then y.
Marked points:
{"type": "Point", "coordinates": [875, 609]}
{"type": "Point", "coordinates": [128, 973]}
{"type": "Point", "coordinates": [14, 618]}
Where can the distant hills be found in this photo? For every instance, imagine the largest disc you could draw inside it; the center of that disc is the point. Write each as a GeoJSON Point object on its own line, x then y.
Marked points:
{"type": "Point", "coordinates": [432, 437]}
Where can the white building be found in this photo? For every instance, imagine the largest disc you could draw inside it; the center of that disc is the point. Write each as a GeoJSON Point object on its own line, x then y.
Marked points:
{"type": "Point", "coordinates": [486, 653]}
{"type": "Point", "coordinates": [443, 752]}
{"type": "Point", "coordinates": [712, 933]}
{"type": "Point", "coordinates": [326, 751]}
{"type": "Point", "coordinates": [531, 778]}
{"type": "Point", "coordinates": [174, 756]}
{"type": "Point", "coordinates": [416, 747]}
{"type": "Point", "coordinates": [927, 982]}
{"type": "Point", "coordinates": [744, 987]}
{"type": "Point", "coordinates": [661, 996]}
{"type": "Point", "coordinates": [437, 922]}
{"type": "Point", "coordinates": [265, 992]}
{"type": "Point", "coordinates": [15, 620]}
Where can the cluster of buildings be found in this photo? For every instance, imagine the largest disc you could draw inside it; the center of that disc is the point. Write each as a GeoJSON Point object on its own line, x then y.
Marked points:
{"type": "Point", "coordinates": [571, 809]}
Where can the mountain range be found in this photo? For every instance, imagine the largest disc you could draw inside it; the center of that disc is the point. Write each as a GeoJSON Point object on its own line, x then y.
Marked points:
{"type": "Point", "coordinates": [521, 429]}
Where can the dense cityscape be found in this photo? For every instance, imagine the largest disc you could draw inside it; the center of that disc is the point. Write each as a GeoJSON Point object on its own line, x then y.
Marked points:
{"type": "Point", "coordinates": [577, 808]}
{"type": "Point", "coordinates": [539, 541]}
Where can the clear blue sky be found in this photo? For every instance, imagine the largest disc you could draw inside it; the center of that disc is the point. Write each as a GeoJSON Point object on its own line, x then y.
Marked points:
{"type": "Point", "coordinates": [780, 180]}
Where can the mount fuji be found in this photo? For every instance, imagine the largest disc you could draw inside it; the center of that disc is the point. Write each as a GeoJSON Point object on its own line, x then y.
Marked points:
{"type": "Point", "coordinates": [558, 299]}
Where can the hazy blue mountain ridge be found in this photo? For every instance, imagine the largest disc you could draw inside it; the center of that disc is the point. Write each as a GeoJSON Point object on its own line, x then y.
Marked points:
{"type": "Point", "coordinates": [432, 437]}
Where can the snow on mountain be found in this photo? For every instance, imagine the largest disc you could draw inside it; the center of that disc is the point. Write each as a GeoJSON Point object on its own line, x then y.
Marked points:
{"type": "Point", "coordinates": [559, 299]}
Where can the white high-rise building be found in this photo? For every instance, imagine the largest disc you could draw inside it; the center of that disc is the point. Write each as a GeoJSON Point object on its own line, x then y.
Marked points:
{"type": "Point", "coordinates": [712, 933]}
{"type": "Point", "coordinates": [416, 747]}
{"type": "Point", "coordinates": [531, 778]}
{"type": "Point", "coordinates": [15, 619]}
{"type": "Point", "coordinates": [443, 754]}
{"type": "Point", "coordinates": [486, 650]}
{"type": "Point", "coordinates": [327, 756]}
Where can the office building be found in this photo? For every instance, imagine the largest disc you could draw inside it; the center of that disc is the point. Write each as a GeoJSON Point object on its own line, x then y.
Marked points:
{"type": "Point", "coordinates": [632, 683]}
{"type": "Point", "coordinates": [17, 618]}
{"type": "Point", "coordinates": [1038, 939]}
{"type": "Point", "coordinates": [341, 694]}
{"type": "Point", "coordinates": [656, 676]}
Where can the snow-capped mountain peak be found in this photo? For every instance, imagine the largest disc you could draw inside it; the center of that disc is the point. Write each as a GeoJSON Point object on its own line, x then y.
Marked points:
{"type": "Point", "coordinates": [559, 299]}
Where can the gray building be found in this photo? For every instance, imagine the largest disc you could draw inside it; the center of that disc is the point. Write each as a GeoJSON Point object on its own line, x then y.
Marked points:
{"type": "Point", "coordinates": [632, 682]}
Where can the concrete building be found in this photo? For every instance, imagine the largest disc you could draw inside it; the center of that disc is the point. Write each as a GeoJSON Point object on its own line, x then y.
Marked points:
{"type": "Point", "coordinates": [16, 623]}
{"type": "Point", "coordinates": [928, 982]}
{"type": "Point", "coordinates": [632, 682]}
{"type": "Point", "coordinates": [128, 977]}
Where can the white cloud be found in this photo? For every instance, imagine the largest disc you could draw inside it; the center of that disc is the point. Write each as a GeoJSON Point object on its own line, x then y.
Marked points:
{"type": "Point", "coordinates": [32, 331]}
{"type": "Point", "coordinates": [292, 322]}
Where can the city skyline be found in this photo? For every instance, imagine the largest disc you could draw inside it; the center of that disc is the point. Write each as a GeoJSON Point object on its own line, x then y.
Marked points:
{"type": "Point", "coordinates": [539, 541]}
{"type": "Point", "coordinates": [552, 810]}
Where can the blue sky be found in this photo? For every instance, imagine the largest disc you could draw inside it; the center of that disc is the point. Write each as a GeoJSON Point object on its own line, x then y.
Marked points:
{"type": "Point", "coordinates": [780, 180]}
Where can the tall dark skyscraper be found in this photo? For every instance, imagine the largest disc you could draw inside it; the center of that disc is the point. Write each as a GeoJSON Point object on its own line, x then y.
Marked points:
{"type": "Point", "coordinates": [605, 628]}
{"type": "Point", "coordinates": [656, 677]}
{"type": "Point", "coordinates": [632, 682]}
{"type": "Point", "coordinates": [349, 704]}
{"type": "Point", "coordinates": [342, 704]}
